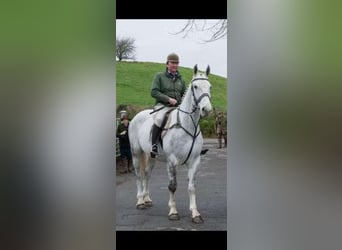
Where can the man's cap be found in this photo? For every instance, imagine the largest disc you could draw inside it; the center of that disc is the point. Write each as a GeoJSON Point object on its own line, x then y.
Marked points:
{"type": "Point", "coordinates": [173, 57]}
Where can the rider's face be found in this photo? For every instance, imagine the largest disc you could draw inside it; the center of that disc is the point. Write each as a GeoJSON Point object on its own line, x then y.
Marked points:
{"type": "Point", "coordinates": [172, 66]}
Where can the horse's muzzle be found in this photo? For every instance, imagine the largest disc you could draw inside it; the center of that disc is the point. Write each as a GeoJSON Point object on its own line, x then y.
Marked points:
{"type": "Point", "coordinates": [205, 111]}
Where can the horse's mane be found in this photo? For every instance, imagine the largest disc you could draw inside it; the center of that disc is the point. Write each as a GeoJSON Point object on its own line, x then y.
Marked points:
{"type": "Point", "coordinates": [186, 91]}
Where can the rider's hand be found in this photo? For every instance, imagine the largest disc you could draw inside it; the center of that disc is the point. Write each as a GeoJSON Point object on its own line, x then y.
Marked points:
{"type": "Point", "coordinates": [123, 133]}
{"type": "Point", "coordinates": [172, 101]}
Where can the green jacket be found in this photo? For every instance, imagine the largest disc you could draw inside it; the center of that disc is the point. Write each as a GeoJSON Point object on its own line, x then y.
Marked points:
{"type": "Point", "coordinates": [165, 85]}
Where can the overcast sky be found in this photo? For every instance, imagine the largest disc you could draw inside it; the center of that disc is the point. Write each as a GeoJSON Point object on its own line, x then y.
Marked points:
{"type": "Point", "coordinates": [154, 42]}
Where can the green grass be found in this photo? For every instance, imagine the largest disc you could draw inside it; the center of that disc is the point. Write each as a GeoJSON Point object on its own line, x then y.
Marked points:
{"type": "Point", "coordinates": [134, 80]}
{"type": "Point", "coordinates": [133, 90]}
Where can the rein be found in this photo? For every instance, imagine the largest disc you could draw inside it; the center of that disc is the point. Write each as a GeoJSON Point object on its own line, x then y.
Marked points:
{"type": "Point", "coordinates": [196, 126]}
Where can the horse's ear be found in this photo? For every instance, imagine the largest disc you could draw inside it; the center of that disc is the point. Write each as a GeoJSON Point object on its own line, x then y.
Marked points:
{"type": "Point", "coordinates": [207, 72]}
{"type": "Point", "coordinates": [195, 69]}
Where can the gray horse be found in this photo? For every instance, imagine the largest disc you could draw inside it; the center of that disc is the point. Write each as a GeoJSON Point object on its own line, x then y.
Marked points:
{"type": "Point", "coordinates": [181, 144]}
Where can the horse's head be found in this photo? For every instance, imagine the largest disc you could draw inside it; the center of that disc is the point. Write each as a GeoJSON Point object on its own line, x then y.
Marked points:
{"type": "Point", "coordinates": [200, 87]}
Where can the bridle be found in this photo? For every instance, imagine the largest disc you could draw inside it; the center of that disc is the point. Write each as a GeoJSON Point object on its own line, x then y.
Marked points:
{"type": "Point", "coordinates": [197, 101]}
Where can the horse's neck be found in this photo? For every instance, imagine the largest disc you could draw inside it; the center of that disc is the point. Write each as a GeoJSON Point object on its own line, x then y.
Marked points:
{"type": "Point", "coordinates": [188, 119]}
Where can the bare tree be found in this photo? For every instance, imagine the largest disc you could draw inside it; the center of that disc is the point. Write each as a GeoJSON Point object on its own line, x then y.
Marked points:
{"type": "Point", "coordinates": [217, 30]}
{"type": "Point", "coordinates": [125, 48]}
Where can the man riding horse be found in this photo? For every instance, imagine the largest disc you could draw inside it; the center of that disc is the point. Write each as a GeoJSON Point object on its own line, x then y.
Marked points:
{"type": "Point", "coordinates": [183, 142]}
{"type": "Point", "coordinates": [168, 89]}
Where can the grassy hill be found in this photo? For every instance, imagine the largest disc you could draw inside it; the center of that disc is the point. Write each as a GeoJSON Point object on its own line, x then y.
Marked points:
{"type": "Point", "coordinates": [133, 87]}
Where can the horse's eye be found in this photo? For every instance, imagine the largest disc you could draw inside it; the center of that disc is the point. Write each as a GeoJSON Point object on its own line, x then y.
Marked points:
{"type": "Point", "coordinates": [195, 86]}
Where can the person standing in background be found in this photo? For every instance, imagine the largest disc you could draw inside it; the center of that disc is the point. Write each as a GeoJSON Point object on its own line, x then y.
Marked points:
{"type": "Point", "coordinates": [221, 129]}
{"type": "Point", "coordinates": [125, 148]}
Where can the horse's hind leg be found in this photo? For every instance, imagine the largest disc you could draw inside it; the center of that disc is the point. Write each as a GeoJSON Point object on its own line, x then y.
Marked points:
{"type": "Point", "coordinates": [173, 214]}
{"type": "Point", "coordinates": [147, 167]}
{"type": "Point", "coordinates": [137, 158]}
{"type": "Point", "coordinates": [143, 168]}
{"type": "Point", "coordinates": [196, 217]}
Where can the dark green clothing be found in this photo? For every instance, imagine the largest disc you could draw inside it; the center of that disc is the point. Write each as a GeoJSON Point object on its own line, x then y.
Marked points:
{"type": "Point", "coordinates": [166, 85]}
{"type": "Point", "coordinates": [124, 139]}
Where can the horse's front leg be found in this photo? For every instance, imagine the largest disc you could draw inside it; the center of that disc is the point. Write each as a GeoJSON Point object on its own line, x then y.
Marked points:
{"type": "Point", "coordinates": [171, 168]}
{"type": "Point", "coordinates": [196, 216]}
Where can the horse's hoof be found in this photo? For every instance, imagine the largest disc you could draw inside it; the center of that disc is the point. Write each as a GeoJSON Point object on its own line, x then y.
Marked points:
{"type": "Point", "coordinates": [174, 217]}
{"type": "Point", "coordinates": [148, 203]}
{"type": "Point", "coordinates": [141, 206]}
{"type": "Point", "coordinates": [197, 220]}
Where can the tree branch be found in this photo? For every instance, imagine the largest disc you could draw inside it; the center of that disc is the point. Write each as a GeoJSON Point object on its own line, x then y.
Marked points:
{"type": "Point", "coordinates": [218, 30]}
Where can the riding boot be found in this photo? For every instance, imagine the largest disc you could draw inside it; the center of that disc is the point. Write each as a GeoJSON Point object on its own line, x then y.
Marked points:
{"type": "Point", "coordinates": [155, 136]}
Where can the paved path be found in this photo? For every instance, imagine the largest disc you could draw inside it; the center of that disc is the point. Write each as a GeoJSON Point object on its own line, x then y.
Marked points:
{"type": "Point", "coordinates": [211, 196]}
